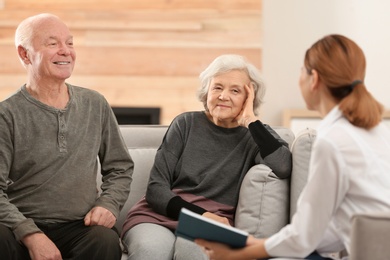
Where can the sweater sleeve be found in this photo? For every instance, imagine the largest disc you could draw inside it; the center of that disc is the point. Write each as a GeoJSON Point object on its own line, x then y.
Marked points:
{"type": "Point", "coordinates": [159, 193]}
{"type": "Point", "coordinates": [10, 216]}
{"type": "Point", "coordinates": [264, 138]}
{"type": "Point", "coordinates": [116, 166]}
{"type": "Point", "coordinates": [273, 149]}
{"type": "Point", "coordinates": [177, 203]}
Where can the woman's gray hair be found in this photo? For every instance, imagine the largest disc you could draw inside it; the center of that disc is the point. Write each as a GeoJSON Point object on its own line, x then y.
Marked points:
{"type": "Point", "coordinates": [226, 63]}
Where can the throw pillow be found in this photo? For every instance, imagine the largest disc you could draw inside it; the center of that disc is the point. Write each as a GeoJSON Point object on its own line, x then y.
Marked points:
{"type": "Point", "coordinates": [263, 206]}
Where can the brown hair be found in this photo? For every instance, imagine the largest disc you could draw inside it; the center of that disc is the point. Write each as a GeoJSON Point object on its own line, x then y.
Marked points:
{"type": "Point", "coordinates": [341, 66]}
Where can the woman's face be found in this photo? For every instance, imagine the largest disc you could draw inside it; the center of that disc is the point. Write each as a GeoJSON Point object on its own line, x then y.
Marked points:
{"type": "Point", "coordinates": [226, 97]}
{"type": "Point", "coordinates": [304, 84]}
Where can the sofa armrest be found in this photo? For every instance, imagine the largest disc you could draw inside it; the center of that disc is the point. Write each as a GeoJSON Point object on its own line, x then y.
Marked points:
{"type": "Point", "coordinates": [301, 152]}
{"type": "Point", "coordinates": [370, 235]}
{"type": "Point", "coordinates": [263, 205]}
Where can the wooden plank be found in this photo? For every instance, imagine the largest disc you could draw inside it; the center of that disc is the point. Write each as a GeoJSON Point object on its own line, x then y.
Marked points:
{"type": "Point", "coordinates": [177, 20]}
{"type": "Point", "coordinates": [133, 4]}
{"type": "Point", "coordinates": [129, 38]}
{"type": "Point", "coordinates": [204, 39]}
{"type": "Point", "coordinates": [155, 38]}
{"type": "Point", "coordinates": [114, 21]}
{"type": "Point", "coordinates": [137, 60]}
{"type": "Point", "coordinates": [7, 36]}
{"type": "Point", "coordinates": [11, 82]}
{"type": "Point", "coordinates": [9, 61]}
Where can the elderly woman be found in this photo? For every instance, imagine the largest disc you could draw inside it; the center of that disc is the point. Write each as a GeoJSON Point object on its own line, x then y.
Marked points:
{"type": "Point", "coordinates": [203, 159]}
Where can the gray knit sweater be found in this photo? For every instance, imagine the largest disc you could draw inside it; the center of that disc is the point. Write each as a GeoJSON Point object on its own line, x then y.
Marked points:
{"type": "Point", "coordinates": [48, 160]}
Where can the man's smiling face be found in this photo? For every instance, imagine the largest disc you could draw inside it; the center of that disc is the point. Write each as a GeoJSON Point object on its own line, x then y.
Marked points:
{"type": "Point", "coordinates": [52, 55]}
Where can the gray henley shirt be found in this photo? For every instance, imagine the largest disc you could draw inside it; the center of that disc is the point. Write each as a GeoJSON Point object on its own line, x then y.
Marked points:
{"type": "Point", "coordinates": [49, 160]}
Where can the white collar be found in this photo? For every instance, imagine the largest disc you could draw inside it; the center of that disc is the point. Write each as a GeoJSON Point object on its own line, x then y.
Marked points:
{"type": "Point", "coordinates": [329, 120]}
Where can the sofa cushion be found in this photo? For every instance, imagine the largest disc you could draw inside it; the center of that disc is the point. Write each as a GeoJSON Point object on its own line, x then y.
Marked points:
{"type": "Point", "coordinates": [301, 151]}
{"type": "Point", "coordinates": [285, 133]}
{"type": "Point", "coordinates": [143, 136]}
{"type": "Point", "coordinates": [142, 142]}
{"type": "Point", "coordinates": [370, 235]}
{"type": "Point", "coordinates": [143, 162]}
{"type": "Point", "coordinates": [263, 204]}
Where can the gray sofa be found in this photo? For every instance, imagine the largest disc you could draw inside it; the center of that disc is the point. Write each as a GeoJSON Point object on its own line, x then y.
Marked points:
{"type": "Point", "coordinates": [266, 202]}
{"type": "Point", "coordinates": [269, 196]}
{"type": "Point", "coordinates": [264, 199]}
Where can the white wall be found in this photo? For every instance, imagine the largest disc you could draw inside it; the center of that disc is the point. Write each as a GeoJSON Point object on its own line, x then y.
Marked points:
{"type": "Point", "coordinates": [292, 26]}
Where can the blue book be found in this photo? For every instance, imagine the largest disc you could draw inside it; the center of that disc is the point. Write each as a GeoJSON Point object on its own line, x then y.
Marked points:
{"type": "Point", "coordinates": [192, 226]}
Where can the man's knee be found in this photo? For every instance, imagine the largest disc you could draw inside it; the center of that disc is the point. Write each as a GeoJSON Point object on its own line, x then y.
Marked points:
{"type": "Point", "coordinates": [103, 243]}
{"type": "Point", "coordinates": [89, 242]}
{"type": "Point", "coordinates": [103, 236]}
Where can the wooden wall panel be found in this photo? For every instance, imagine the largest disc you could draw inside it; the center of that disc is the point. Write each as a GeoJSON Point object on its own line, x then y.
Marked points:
{"type": "Point", "coordinates": [140, 53]}
{"type": "Point", "coordinates": [133, 4]}
{"type": "Point", "coordinates": [136, 61]}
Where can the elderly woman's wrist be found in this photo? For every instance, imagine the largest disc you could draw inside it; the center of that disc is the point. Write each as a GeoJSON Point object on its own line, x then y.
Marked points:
{"type": "Point", "coordinates": [250, 121]}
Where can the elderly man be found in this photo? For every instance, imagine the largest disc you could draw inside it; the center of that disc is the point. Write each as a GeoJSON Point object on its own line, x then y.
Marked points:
{"type": "Point", "coordinates": [51, 136]}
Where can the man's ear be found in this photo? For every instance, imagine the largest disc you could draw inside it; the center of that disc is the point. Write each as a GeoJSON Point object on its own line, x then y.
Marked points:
{"type": "Point", "coordinates": [23, 54]}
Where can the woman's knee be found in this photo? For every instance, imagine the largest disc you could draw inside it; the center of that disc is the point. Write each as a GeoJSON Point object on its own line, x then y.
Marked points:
{"type": "Point", "coordinates": [186, 249]}
{"type": "Point", "coordinates": [149, 241]}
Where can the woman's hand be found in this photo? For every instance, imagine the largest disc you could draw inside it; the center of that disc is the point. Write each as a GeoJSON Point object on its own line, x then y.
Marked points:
{"type": "Point", "coordinates": [216, 251]}
{"type": "Point", "coordinates": [247, 114]}
{"type": "Point", "coordinates": [216, 218]}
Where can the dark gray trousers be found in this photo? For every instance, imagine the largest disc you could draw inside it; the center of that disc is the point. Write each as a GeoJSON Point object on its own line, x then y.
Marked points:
{"type": "Point", "coordinates": [74, 240]}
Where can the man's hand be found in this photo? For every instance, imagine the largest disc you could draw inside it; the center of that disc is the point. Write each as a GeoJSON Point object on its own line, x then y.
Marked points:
{"type": "Point", "coordinates": [99, 216]}
{"type": "Point", "coordinates": [40, 247]}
